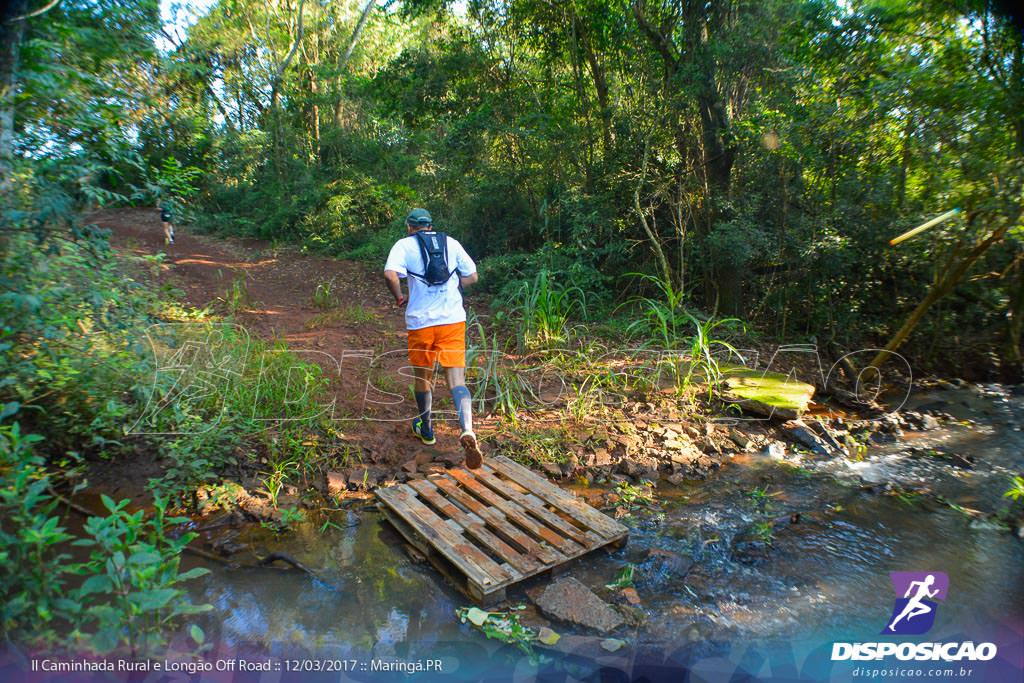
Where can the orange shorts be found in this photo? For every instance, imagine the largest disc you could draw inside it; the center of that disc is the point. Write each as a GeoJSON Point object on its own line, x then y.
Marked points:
{"type": "Point", "coordinates": [444, 343]}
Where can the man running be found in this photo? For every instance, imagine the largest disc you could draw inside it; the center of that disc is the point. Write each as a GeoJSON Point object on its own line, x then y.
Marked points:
{"type": "Point", "coordinates": [165, 221]}
{"type": "Point", "coordinates": [915, 607]}
{"type": "Point", "coordinates": [435, 265]}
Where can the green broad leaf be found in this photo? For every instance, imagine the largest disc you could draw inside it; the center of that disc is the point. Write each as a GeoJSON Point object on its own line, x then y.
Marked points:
{"type": "Point", "coordinates": [67, 605]}
{"type": "Point", "coordinates": [193, 609]}
{"type": "Point", "coordinates": [9, 409]}
{"type": "Point", "coordinates": [547, 636]}
{"type": "Point", "coordinates": [477, 616]}
{"type": "Point", "coordinates": [104, 640]}
{"type": "Point", "coordinates": [105, 614]}
{"type": "Point", "coordinates": [148, 601]}
{"type": "Point", "coordinates": [144, 558]}
{"type": "Point", "coordinates": [100, 583]}
{"type": "Point", "coordinates": [197, 634]}
{"type": "Point", "coordinates": [108, 502]}
{"type": "Point", "coordinates": [612, 644]}
{"type": "Point", "coordinates": [193, 573]}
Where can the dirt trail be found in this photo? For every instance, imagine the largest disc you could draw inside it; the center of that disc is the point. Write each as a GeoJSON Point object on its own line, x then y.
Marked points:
{"type": "Point", "coordinates": [360, 343]}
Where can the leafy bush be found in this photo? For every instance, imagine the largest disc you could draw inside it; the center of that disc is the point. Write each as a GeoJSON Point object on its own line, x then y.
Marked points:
{"type": "Point", "coordinates": [33, 560]}
{"type": "Point", "coordinates": [132, 592]}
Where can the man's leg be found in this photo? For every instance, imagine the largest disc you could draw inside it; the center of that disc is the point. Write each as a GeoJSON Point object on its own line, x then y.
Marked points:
{"type": "Point", "coordinates": [452, 345]}
{"type": "Point", "coordinates": [422, 359]}
{"type": "Point", "coordinates": [460, 397]}
{"type": "Point", "coordinates": [424, 397]}
{"type": "Point", "coordinates": [464, 407]}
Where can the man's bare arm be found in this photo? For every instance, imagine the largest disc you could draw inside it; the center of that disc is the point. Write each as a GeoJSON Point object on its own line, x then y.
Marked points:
{"type": "Point", "coordinates": [468, 280]}
{"type": "Point", "coordinates": [395, 286]}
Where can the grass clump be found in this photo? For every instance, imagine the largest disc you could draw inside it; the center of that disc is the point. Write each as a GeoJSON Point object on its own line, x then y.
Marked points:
{"type": "Point", "coordinates": [540, 311]}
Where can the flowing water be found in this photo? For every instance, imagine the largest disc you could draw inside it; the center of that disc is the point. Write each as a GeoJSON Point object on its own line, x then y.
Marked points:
{"type": "Point", "coordinates": [703, 573]}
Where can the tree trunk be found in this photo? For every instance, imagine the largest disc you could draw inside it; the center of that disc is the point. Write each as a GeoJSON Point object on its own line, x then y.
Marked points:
{"type": "Point", "coordinates": [725, 288]}
{"type": "Point", "coordinates": [338, 108]}
{"type": "Point", "coordinates": [597, 73]}
{"type": "Point", "coordinates": [12, 31]}
{"type": "Point", "coordinates": [659, 253]}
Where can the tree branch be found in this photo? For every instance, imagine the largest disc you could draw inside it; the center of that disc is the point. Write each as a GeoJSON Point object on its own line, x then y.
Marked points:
{"type": "Point", "coordinates": [42, 10]}
{"type": "Point", "coordinates": [356, 32]}
{"type": "Point", "coordinates": [276, 85]}
{"type": "Point", "coordinates": [661, 43]}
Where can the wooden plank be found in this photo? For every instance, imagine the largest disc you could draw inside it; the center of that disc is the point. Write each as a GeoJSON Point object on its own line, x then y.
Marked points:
{"type": "Point", "coordinates": [499, 522]}
{"type": "Point", "coordinates": [516, 513]}
{"type": "Point", "coordinates": [407, 532]}
{"type": "Point", "coordinates": [556, 497]}
{"type": "Point", "coordinates": [537, 510]}
{"type": "Point", "coordinates": [594, 539]}
{"type": "Point", "coordinates": [431, 494]}
{"type": "Point", "coordinates": [447, 569]}
{"type": "Point", "coordinates": [477, 567]}
{"type": "Point", "coordinates": [490, 528]}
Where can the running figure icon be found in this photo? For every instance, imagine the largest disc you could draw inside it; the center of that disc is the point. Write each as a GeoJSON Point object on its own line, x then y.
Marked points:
{"type": "Point", "coordinates": [916, 606]}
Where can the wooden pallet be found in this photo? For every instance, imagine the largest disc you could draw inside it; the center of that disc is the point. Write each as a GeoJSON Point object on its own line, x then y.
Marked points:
{"type": "Point", "coordinates": [489, 528]}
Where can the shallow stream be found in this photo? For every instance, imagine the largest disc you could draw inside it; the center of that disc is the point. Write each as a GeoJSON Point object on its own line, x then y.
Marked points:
{"type": "Point", "coordinates": [703, 574]}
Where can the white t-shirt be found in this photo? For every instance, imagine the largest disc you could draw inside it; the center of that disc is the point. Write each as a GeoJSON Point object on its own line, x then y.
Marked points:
{"type": "Point", "coordinates": [429, 306]}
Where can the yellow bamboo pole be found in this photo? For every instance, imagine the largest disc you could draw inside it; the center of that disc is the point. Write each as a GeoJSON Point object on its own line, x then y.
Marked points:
{"type": "Point", "coordinates": [924, 226]}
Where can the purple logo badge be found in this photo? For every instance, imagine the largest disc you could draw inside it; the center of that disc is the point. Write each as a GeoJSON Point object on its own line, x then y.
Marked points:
{"type": "Point", "coordinates": [916, 592]}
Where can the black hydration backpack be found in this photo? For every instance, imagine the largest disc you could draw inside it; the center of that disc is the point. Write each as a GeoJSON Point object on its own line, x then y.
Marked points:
{"type": "Point", "coordinates": [434, 247]}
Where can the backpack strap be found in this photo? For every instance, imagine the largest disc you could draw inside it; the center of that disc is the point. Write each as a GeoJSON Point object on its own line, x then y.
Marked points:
{"type": "Point", "coordinates": [426, 257]}
{"type": "Point", "coordinates": [421, 240]}
{"type": "Point", "coordinates": [444, 239]}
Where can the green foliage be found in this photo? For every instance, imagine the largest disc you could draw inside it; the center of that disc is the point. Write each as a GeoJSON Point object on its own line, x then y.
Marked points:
{"type": "Point", "coordinates": [760, 498]}
{"type": "Point", "coordinates": [325, 296]}
{"type": "Point", "coordinates": [1016, 490]}
{"type": "Point", "coordinates": [776, 207]}
{"type": "Point", "coordinates": [703, 359]}
{"type": "Point", "coordinates": [764, 530]}
{"type": "Point", "coordinates": [534, 445]}
{"type": "Point", "coordinates": [170, 186]}
{"type": "Point", "coordinates": [75, 327]}
{"type": "Point", "coordinates": [33, 542]}
{"type": "Point", "coordinates": [540, 311]}
{"type": "Point", "coordinates": [502, 626]}
{"type": "Point", "coordinates": [132, 592]}
{"type": "Point", "coordinates": [291, 516]}
{"type": "Point", "coordinates": [662, 319]}
{"type": "Point", "coordinates": [494, 379]}
{"type": "Point", "coordinates": [633, 497]}
{"type": "Point", "coordinates": [236, 299]}
{"type": "Point", "coordinates": [624, 579]}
